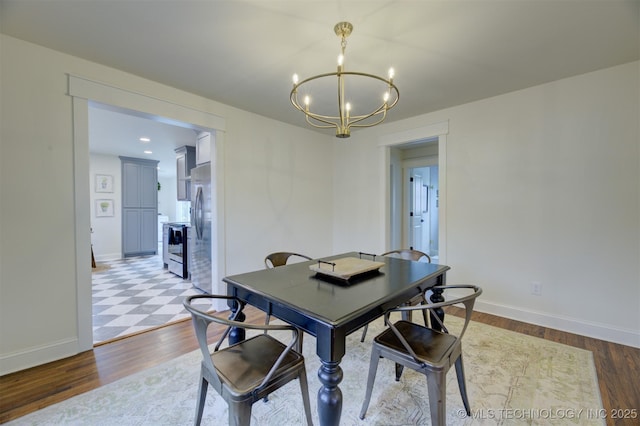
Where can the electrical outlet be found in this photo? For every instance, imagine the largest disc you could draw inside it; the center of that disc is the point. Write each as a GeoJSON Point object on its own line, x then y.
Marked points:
{"type": "Point", "coordinates": [536, 288]}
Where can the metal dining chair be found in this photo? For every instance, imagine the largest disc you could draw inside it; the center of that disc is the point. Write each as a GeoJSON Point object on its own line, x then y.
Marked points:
{"type": "Point", "coordinates": [407, 254]}
{"type": "Point", "coordinates": [281, 258]}
{"type": "Point", "coordinates": [247, 371]}
{"type": "Point", "coordinates": [426, 350]}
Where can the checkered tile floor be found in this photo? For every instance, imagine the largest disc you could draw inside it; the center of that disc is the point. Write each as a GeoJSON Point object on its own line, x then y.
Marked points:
{"type": "Point", "coordinates": [136, 294]}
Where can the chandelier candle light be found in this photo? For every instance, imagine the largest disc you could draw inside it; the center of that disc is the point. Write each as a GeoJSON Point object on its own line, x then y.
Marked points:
{"type": "Point", "coordinates": [345, 118]}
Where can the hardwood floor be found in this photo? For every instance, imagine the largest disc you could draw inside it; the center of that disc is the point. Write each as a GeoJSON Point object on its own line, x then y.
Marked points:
{"type": "Point", "coordinates": [29, 390]}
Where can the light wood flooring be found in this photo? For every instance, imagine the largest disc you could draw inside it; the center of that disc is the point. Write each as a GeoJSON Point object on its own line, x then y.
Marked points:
{"type": "Point", "coordinates": [29, 390]}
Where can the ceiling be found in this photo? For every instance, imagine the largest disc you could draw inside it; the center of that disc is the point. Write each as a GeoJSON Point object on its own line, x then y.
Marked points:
{"type": "Point", "coordinates": [243, 52]}
{"type": "Point", "coordinates": [117, 132]}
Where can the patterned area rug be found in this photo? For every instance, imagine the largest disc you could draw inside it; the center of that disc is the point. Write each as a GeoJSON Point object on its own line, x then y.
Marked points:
{"type": "Point", "coordinates": [511, 379]}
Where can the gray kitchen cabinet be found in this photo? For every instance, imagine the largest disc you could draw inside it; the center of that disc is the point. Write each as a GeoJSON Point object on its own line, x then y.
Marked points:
{"type": "Point", "coordinates": [139, 206]}
{"type": "Point", "coordinates": [185, 161]}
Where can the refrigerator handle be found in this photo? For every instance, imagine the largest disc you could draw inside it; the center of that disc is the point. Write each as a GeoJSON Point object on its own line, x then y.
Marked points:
{"type": "Point", "coordinates": [199, 213]}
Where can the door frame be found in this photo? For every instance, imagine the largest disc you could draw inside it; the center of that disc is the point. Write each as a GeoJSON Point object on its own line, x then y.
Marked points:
{"type": "Point", "coordinates": [388, 166]}
{"type": "Point", "coordinates": [83, 91]}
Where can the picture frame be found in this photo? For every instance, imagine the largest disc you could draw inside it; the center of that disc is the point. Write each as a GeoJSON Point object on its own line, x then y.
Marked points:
{"type": "Point", "coordinates": [104, 208]}
{"type": "Point", "coordinates": [104, 183]}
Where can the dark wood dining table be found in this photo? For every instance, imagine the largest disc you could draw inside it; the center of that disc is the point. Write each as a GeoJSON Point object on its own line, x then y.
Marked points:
{"type": "Point", "coordinates": [331, 309]}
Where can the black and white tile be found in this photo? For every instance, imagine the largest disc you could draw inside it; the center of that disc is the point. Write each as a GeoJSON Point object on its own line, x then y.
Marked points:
{"type": "Point", "coordinates": [136, 294]}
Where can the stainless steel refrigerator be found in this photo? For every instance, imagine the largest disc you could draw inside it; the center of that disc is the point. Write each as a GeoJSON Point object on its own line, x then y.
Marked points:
{"type": "Point", "coordinates": [201, 227]}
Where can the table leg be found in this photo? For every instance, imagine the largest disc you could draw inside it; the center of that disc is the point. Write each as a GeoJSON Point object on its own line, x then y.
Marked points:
{"type": "Point", "coordinates": [437, 297]}
{"type": "Point", "coordinates": [330, 395]}
{"type": "Point", "coordinates": [236, 334]}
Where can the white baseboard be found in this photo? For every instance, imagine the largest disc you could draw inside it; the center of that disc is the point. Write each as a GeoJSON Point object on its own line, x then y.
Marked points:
{"type": "Point", "coordinates": [558, 322]}
{"type": "Point", "coordinates": [38, 355]}
{"type": "Point", "coordinates": [109, 257]}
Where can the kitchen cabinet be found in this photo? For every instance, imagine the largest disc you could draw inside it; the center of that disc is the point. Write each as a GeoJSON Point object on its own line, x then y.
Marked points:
{"type": "Point", "coordinates": [139, 206]}
{"type": "Point", "coordinates": [185, 161]}
{"type": "Point", "coordinates": [203, 148]}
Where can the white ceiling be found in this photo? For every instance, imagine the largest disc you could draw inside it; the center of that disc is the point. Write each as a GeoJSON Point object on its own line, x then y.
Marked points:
{"type": "Point", "coordinates": [243, 52]}
{"type": "Point", "coordinates": [117, 132]}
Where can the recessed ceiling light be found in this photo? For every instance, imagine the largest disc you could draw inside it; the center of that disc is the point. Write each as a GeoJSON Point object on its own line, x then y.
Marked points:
{"type": "Point", "coordinates": [145, 140]}
{"type": "Point", "coordinates": [148, 152]}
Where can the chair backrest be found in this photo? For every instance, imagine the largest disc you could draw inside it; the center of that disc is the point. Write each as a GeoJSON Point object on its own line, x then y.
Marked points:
{"type": "Point", "coordinates": [468, 300]}
{"type": "Point", "coordinates": [408, 254]}
{"type": "Point", "coordinates": [281, 258]}
{"type": "Point", "coordinates": [202, 320]}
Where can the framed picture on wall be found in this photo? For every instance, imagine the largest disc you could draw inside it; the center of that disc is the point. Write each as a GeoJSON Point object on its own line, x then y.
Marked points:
{"type": "Point", "coordinates": [104, 208]}
{"type": "Point", "coordinates": [104, 183]}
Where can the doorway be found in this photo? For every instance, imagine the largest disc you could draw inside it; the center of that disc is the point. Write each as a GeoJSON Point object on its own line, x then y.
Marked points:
{"type": "Point", "coordinates": [83, 92]}
{"type": "Point", "coordinates": [423, 149]}
{"type": "Point", "coordinates": [421, 224]}
{"type": "Point", "coordinates": [132, 294]}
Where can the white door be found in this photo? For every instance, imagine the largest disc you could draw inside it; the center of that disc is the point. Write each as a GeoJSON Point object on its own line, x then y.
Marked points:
{"type": "Point", "coordinates": [416, 217]}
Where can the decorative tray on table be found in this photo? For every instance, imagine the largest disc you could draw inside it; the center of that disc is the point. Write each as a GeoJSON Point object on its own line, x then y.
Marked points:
{"type": "Point", "coordinates": [345, 268]}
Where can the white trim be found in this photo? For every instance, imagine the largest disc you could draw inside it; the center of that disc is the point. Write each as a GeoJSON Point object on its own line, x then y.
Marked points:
{"type": "Point", "coordinates": [386, 142]}
{"type": "Point", "coordinates": [108, 257]}
{"type": "Point", "coordinates": [442, 198]}
{"type": "Point", "coordinates": [82, 220]}
{"type": "Point", "coordinates": [37, 355]}
{"type": "Point", "coordinates": [83, 91]}
{"type": "Point", "coordinates": [218, 252]}
{"type": "Point", "coordinates": [558, 322]}
{"type": "Point", "coordinates": [81, 87]}
{"type": "Point", "coordinates": [414, 135]}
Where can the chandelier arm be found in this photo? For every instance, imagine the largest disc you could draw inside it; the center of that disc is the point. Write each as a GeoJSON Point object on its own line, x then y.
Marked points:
{"type": "Point", "coordinates": [384, 115]}
{"type": "Point", "coordinates": [315, 77]}
{"type": "Point", "coordinates": [318, 117]}
{"type": "Point", "coordinates": [309, 114]}
{"type": "Point", "coordinates": [329, 124]}
{"type": "Point", "coordinates": [381, 110]}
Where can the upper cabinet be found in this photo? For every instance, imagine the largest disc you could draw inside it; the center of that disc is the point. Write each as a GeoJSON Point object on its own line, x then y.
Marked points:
{"type": "Point", "coordinates": [203, 148]}
{"type": "Point", "coordinates": [185, 161]}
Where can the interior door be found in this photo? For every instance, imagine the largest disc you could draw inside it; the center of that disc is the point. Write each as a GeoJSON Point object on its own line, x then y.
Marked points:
{"type": "Point", "coordinates": [416, 218]}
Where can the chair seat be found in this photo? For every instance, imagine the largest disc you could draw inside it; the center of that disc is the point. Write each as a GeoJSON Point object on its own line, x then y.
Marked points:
{"type": "Point", "coordinates": [428, 344]}
{"type": "Point", "coordinates": [243, 366]}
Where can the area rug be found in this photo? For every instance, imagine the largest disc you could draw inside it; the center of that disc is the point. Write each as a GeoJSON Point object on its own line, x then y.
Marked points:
{"type": "Point", "coordinates": [511, 379]}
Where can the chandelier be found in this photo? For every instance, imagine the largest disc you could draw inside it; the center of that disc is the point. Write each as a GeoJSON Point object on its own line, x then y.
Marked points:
{"type": "Point", "coordinates": [352, 104]}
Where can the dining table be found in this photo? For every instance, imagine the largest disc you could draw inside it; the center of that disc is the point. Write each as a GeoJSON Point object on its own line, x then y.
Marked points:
{"type": "Point", "coordinates": [331, 308]}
